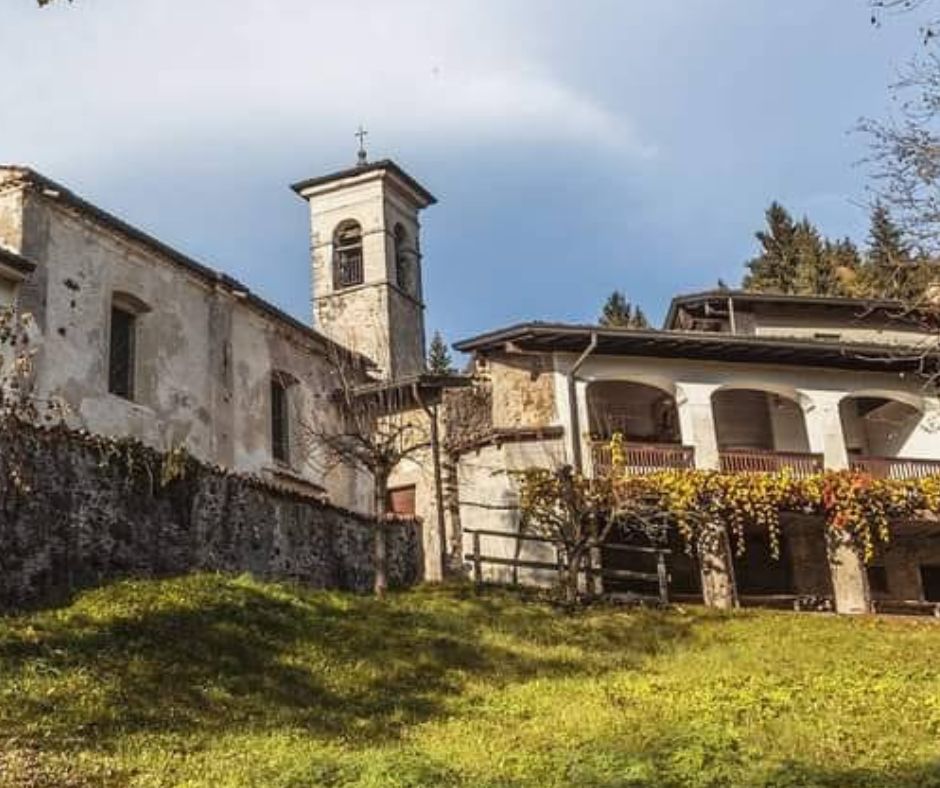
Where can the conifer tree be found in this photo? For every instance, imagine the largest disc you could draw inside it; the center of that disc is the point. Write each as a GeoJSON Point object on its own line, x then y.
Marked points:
{"type": "Point", "coordinates": [774, 270]}
{"type": "Point", "coordinates": [815, 270]}
{"type": "Point", "coordinates": [847, 263]}
{"type": "Point", "coordinates": [889, 271]}
{"type": "Point", "coordinates": [439, 359]}
{"type": "Point", "coordinates": [618, 312]}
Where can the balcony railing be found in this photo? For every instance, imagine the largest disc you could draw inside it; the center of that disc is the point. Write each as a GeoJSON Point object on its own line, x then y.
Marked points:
{"type": "Point", "coordinates": [766, 461]}
{"type": "Point", "coordinates": [896, 467]}
{"type": "Point", "coordinates": [645, 457]}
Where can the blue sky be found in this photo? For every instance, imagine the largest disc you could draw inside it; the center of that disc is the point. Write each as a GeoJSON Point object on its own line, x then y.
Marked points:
{"type": "Point", "coordinates": [574, 148]}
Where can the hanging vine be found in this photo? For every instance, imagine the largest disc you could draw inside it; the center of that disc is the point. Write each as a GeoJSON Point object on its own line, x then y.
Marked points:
{"type": "Point", "coordinates": [850, 502]}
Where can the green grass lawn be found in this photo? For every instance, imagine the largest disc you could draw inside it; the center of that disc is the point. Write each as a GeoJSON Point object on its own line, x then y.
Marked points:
{"type": "Point", "coordinates": [215, 681]}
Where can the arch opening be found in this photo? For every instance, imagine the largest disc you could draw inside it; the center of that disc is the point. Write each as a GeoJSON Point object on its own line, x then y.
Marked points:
{"type": "Point", "coordinates": [877, 428]}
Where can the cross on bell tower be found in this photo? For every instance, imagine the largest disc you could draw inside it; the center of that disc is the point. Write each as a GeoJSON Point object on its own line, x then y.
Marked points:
{"type": "Point", "coordinates": [362, 134]}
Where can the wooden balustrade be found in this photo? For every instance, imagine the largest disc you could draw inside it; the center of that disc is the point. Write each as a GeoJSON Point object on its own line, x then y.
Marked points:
{"type": "Point", "coordinates": [766, 461]}
{"type": "Point", "coordinates": [896, 467]}
{"type": "Point", "coordinates": [645, 457]}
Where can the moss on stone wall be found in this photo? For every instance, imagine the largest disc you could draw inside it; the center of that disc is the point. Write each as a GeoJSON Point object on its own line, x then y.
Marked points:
{"type": "Point", "coordinates": [78, 510]}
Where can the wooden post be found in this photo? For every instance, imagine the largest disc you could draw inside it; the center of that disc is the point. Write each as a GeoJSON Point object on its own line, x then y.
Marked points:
{"type": "Point", "coordinates": [596, 569]}
{"type": "Point", "coordinates": [477, 560]}
{"type": "Point", "coordinates": [663, 578]}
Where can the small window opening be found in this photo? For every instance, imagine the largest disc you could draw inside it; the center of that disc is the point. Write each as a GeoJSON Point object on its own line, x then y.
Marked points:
{"type": "Point", "coordinates": [401, 501]}
{"type": "Point", "coordinates": [121, 353]}
{"type": "Point", "coordinates": [280, 419]}
{"type": "Point", "coordinates": [347, 255]}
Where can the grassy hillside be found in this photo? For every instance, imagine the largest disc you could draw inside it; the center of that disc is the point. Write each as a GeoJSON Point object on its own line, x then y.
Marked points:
{"type": "Point", "coordinates": [218, 681]}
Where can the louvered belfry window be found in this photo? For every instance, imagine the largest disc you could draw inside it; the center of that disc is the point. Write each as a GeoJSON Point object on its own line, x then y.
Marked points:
{"type": "Point", "coordinates": [121, 354]}
{"type": "Point", "coordinates": [347, 255]}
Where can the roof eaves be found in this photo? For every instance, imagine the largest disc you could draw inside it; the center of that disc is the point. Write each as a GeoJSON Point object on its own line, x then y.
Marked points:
{"type": "Point", "coordinates": [362, 169]}
{"type": "Point", "coordinates": [703, 345]}
{"type": "Point", "coordinates": [16, 262]}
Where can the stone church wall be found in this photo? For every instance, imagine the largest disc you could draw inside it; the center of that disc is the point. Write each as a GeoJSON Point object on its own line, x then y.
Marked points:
{"type": "Point", "coordinates": [87, 510]}
{"type": "Point", "coordinates": [523, 392]}
{"type": "Point", "coordinates": [205, 347]}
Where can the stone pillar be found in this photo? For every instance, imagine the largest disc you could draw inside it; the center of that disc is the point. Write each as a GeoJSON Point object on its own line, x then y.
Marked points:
{"type": "Point", "coordinates": [697, 422]}
{"type": "Point", "coordinates": [717, 567]}
{"type": "Point", "coordinates": [849, 579]}
{"type": "Point", "coordinates": [697, 425]}
{"type": "Point", "coordinates": [846, 564]}
{"type": "Point", "coordinates": [584, 424]}
{"type": "Point", "coordinates": [824, 427]}
{"type": "Point", "coordinates": [575, 433]}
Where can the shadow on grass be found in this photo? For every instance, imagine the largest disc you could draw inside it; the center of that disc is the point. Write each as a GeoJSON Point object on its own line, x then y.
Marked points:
{"type": "Point", "coordinates": [800, 775]}
{"type": "Point", "coordinates": [218, 654]}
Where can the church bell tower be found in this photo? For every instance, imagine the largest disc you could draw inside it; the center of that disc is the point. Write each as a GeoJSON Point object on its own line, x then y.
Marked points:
{"type": "Point", "coordinates": [367, 284]}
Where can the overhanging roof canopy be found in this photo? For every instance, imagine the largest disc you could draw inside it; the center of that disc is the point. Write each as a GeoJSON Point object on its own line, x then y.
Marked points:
{"type": "Point", "coordinates": [567, 338]}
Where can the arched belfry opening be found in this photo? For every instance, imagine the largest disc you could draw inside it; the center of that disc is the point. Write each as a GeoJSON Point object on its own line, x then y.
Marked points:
{"type": "Point", "coordinates": [347, 255]}
{"type": "Point", "coordinates": [367, 291]}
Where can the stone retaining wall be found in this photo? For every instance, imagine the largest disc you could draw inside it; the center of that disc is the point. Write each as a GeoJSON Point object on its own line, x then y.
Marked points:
{"type": "Point", "coordinates": [77, 511]}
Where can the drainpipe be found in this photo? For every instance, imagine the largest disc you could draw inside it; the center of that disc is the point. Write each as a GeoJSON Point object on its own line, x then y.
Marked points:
{"type": "Point", "coordinates": [438, 482]}
{"type": "Point", "coordinates": [731, 320]}
{"type": "Point", "coordinates": [576, 459]}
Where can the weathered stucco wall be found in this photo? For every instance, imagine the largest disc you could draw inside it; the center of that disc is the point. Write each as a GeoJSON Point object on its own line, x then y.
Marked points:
{"type": "Point", "coordinates": [11, 218]}
{"type": "Point", "coordinates": [204, 351]}
{"type": "Point", "coordinates": [90, 516]}
{"type": "Point", "coordinates": [488, 500]}
{"type": "Point", "coordinates": [780, 322]}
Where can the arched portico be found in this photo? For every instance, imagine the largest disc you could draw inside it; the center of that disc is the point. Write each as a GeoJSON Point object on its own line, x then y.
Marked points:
{"type": "Point", "coordinates": [762, 429]}
{"type": "Point", "coordinates": [880, 428]}
{"type": "Point", "coordinates": [645, 416]}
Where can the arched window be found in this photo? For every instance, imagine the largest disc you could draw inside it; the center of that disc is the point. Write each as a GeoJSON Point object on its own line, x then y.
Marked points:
{"type": "Point", "coordinates": [402, 267]}
{"type": "Point", "coordinates": [347, 255]}
{"type": "Point", "coordinates": [122, 346]}
{"type": "Point", "coordinates": [281, 384]}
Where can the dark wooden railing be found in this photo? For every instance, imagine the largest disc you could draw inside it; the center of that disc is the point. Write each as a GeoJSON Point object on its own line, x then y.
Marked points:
{"type": "Point", "coordinates": [896, 467]}
{"type": "Point", "coordinates": [765, 461]}
{"type": "Point", "coordinates": [594, 570]}
{"type": "Point", "coordinates": [645, 457]}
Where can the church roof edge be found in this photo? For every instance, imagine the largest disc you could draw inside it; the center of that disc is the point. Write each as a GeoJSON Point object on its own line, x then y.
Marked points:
{"type": "Point", "coordinates": [55, 191]}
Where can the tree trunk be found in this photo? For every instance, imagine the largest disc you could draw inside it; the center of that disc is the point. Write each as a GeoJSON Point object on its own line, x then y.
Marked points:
{"type": "Point", "coordinates": [380, 548]}
{"type": "Point", "coordinates": [573, 572]}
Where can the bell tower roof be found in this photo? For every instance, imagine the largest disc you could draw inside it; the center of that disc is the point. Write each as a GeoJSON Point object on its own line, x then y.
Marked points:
{"type": "Point", "coordinates": [386, 169]}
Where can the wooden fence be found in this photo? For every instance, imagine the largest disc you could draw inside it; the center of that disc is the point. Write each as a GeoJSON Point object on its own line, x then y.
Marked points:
{"type": "Point", "coordinates": [660, 578]}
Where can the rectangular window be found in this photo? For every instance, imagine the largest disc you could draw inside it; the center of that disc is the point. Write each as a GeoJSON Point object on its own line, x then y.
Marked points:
{"type": "Point", "coordinates": [280, 424]}
{"type": "Point", "coordinates": [401, 501]}
{"type": "Point", "coordinates": [121, 354]}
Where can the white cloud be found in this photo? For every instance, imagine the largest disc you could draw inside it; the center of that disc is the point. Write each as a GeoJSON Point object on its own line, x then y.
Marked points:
{"type": "Point", "coordinates": [110, 78]}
